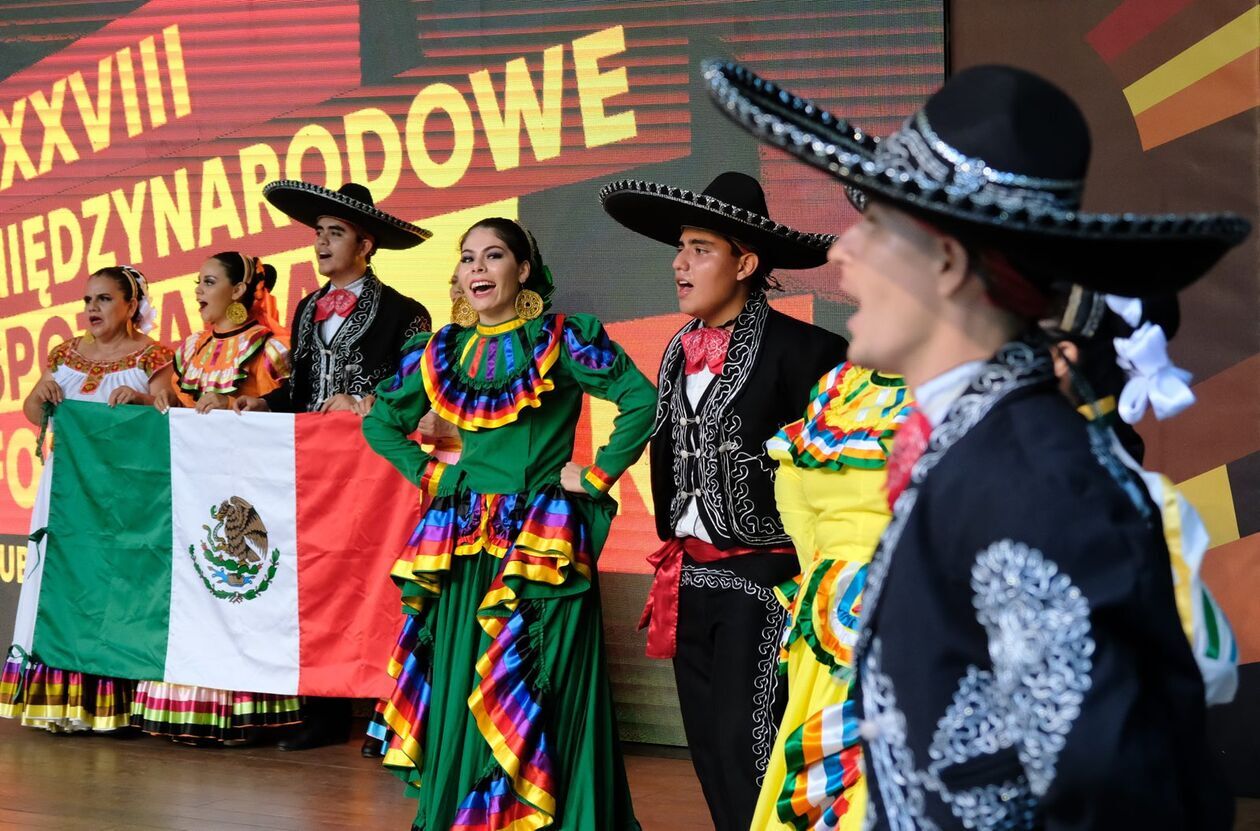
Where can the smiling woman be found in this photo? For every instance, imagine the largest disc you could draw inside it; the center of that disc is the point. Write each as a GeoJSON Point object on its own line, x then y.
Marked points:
{"type": "Point", "coordinates": [500, 664]}
{"type": "Point", "coordinates": [497, 260]}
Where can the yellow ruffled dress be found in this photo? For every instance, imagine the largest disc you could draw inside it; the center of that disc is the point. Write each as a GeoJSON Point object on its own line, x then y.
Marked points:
{"type": "Point", "coordinates": [830, 493]}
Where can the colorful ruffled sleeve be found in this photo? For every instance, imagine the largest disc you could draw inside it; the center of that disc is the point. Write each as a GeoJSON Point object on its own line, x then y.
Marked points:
{"type": "Point", "coordinates": [267, 369]}
{"type": "Point", "coordinates": [603, 370]}
{"type": "Point", "coordinates": [400, 403]}
{"type": "Point", "coordinates": [845, 439]}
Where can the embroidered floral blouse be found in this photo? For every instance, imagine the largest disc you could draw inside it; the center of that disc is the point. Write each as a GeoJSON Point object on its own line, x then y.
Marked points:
{"type": "Point", "coordinates": [85, 380]}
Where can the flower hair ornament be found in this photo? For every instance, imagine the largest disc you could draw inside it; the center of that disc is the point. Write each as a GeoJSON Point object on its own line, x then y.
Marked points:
{"type": "Point", "coordinates": [146, 314]}
{"type": "Point", "coordinates": [1154, 380]}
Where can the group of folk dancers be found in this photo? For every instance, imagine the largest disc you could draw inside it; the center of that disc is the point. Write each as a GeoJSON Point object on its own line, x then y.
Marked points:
{"type": "Point", "coordinates": [914, 581]}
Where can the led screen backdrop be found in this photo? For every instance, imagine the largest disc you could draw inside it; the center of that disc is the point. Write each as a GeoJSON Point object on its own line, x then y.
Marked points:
{"type": "Point", "coordinates": [143, 132]}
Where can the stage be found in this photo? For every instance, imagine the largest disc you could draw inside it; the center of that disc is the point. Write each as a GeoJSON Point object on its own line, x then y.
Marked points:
{"type": "Point", "coordinates": [75, 783]}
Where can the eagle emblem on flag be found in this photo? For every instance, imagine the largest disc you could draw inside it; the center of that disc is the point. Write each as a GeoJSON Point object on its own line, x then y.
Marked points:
{"type": "Point", "coordinates": [234, 552]}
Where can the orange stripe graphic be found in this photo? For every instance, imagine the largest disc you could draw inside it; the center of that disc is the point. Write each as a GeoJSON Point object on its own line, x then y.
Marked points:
{"type": "Point", "coordinates": [1232, 89]}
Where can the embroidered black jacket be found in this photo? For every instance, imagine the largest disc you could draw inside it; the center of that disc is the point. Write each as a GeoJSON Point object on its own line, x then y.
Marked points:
{"type": "Point", "coordinates": [717, 451]}
{"type": "Point", "coordinates": [1021, 664]}
{"type": "Point", "coordinates": [364, 352]}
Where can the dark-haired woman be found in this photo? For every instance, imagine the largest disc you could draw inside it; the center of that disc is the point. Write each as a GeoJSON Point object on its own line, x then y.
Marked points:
{"type": "Point", "coordinates": [502, 710]}
{"type": "Point", "coordinates": [242, 351]}
{"type": "Point", "coordinates": [114, 362]}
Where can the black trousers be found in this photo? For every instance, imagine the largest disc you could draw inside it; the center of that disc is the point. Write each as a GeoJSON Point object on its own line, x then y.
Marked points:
{"type": "Point", "coordinates": [726, 666]}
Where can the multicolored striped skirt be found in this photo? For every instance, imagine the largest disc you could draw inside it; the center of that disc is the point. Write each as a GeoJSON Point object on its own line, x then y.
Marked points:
{"type": "Point", "coordinates": [63, 701]}
{"type": "Point", "coordinates": [202, 713]}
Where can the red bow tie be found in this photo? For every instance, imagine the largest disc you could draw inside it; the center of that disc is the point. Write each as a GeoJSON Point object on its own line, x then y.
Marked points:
{"type": "Point", "coordinates": [908, 445]}
{"type": "Point", "coordinates": [706, 347]}
{"type": "Point", "coordinates": [339, 302]}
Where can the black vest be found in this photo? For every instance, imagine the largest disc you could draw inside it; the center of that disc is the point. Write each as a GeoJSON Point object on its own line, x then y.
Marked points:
{"type": "Point", "coordinates": [364, 352]}
{"type": "Point", "coordinates": [717, 451]}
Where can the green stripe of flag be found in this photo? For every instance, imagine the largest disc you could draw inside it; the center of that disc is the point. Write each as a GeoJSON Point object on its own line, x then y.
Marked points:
{"type": "Point", "coordinates": [108, 566]}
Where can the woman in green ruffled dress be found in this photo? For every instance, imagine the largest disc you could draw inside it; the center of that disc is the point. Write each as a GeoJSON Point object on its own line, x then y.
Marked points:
{"type": "Point", "coordinates": [502, 710]}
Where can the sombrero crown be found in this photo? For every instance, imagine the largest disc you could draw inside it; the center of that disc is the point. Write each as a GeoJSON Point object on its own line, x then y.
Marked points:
{"type": "Point", "coordinates": [1000, 155]}
{"type": "Point", "coordinates": [352, 202]}
{"type": "Point", "coordinates": [733, 205]}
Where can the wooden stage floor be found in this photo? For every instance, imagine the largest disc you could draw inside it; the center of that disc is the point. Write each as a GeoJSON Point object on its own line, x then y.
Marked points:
{"type": "Point", "coordinates": [76, 783]}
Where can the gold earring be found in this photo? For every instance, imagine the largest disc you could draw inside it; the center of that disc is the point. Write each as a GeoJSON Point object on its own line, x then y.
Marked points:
{"type": "Point", "coordinates": [463, 314]}
{"type": "Point", "coordinates": [237, 313]}
{"type": "Point", "coordinates": [529, 304]}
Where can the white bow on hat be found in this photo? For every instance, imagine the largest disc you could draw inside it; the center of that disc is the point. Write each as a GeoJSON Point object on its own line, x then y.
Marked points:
{"type": "Point", "coordinates": [1129, 308]}
{"type": "Point", "coordinates": [1153, 378]}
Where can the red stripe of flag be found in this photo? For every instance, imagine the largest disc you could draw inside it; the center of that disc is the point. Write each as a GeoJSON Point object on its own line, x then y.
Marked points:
{"type": "Point", "coordinates": [354, 510]}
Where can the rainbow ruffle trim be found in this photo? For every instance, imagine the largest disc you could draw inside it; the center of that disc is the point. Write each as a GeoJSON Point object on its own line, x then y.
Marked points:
{"type": "Point", "coordinates": [472, 404]}
{"type": "Point", "coordinates": [540, 540]}
{"type": "Point", "coordinates": [850, 421]}
{"type": "Point", "coordinates": [824, 609]}
{"type": "Point", "coordinates": [823, 784]}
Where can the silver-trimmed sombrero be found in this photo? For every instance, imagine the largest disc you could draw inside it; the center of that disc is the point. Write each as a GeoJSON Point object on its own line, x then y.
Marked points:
{"type": "Point", "coordinates": [998, 153]}
{"type": "Point", "coordinates": [733, 205]}
{"type": "Point", "coordinates": [352, 202]}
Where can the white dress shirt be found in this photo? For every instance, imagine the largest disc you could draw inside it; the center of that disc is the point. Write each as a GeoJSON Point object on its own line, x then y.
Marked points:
{"type": "Point", "coordinates": [689, 524]}
{"type": "Point", "coordinates": [935, 397]}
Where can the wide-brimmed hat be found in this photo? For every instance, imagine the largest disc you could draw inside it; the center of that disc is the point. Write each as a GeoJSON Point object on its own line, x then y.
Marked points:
{"type": "Point", "coordinates": [352, 202]}
{"type": "Point", "coordinates": [998, 154]}
{"type": "Point", "coordinates": [733, 205]}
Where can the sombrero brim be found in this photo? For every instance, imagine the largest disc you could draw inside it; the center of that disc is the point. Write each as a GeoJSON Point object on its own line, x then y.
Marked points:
{"type": "Point", "coordinates": [660, 212]}
{"type": "Point", "coordinates": [307, 203]}
{"type": "Point", "coordinates": [1127, 254]}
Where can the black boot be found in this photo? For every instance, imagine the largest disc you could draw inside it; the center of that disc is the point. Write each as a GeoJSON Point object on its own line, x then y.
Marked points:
{"type": "Point", "coordinates": [325, 721]}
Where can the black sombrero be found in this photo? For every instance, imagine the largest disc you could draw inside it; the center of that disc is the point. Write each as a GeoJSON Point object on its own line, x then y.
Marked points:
{"type": "Point", "coordinates": [733, 205]}
{"type": "Point", "coordinates": [999, 154]}
{"type": "Point", "coordinates": [352, 202]}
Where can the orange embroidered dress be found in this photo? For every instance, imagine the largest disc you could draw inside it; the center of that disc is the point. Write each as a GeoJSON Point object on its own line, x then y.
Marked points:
{"type": "Point", "coordinates": [250, 360]}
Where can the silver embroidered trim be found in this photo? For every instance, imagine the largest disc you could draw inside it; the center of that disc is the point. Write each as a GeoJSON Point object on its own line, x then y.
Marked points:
{"type": "Point", "coordinates": [1015, 366]}
{"type": "Point", "coordinates": [718, 463]}
{"type": "Point", "coordinates": [336, 367]}
{"type": "Point", "coordinates": [764, 724]}
{"type": "Point", "coordinates": [911, 154]}
{"type": "Point", "coordinates": [961, 161]}
{"type": "Point", "coordinates": [1040, 647]}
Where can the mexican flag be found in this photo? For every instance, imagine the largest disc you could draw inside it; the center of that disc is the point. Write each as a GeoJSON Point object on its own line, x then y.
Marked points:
{"type": "Point", "coordinates": [244, 552]}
